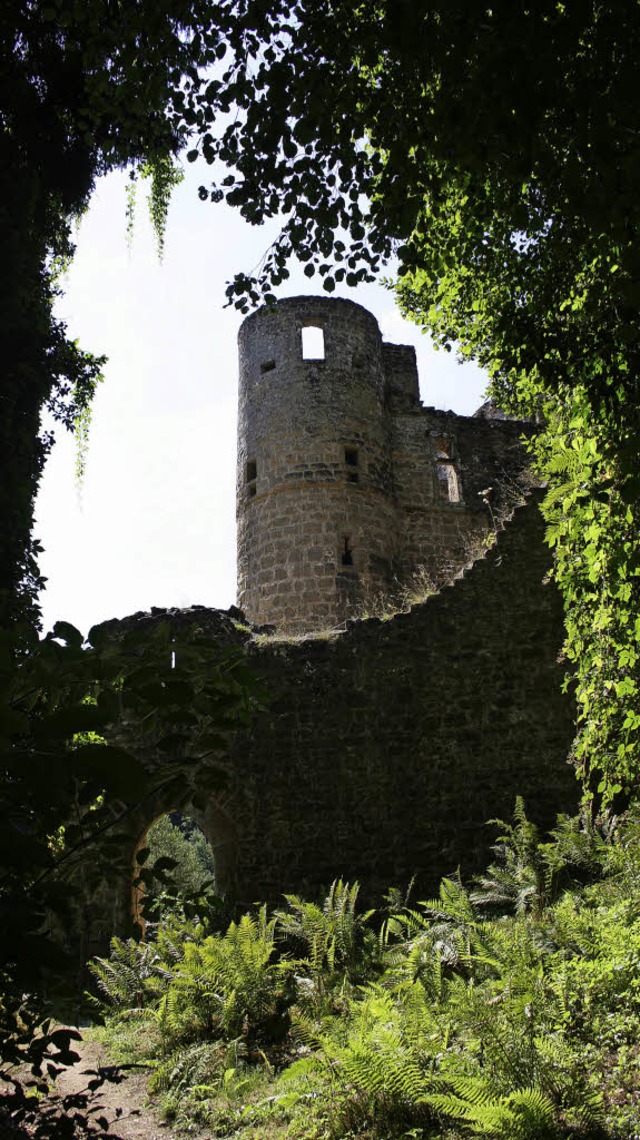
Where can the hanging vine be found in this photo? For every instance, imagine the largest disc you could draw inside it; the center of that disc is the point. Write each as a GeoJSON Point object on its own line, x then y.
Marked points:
{"type": "Point", "coordinates": [163, 174]}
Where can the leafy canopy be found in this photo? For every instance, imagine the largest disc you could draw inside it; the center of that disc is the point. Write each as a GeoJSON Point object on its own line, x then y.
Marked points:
{"type": "Point", "coordinates": [496, 151]}
{"type": "Point", "coordinates": [85, 88]}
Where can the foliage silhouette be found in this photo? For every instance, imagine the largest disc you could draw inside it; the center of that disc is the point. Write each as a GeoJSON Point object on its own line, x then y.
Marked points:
{"type": "Point", "coordinates": [67, 795]}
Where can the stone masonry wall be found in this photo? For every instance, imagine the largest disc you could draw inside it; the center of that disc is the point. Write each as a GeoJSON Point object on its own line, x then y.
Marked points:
{"type": "Point", "coordinates": [384, 750]}
{"type": "Point", "coordinates": [314, 492]}
{"type": "Point", "coordinates": [486, 461]}
{"type": "Point", "coordinates": [347, 487]}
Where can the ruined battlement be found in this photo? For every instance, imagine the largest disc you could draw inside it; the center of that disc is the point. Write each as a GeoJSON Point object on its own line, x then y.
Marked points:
{"type": "Point", "coordinates": [346, 485]}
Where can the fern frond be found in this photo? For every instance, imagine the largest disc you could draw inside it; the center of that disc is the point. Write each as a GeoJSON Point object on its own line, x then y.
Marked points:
{"type": "Point", "coordinates": [524, 1114]}
{"type": "Point", "coordinates": [124, 978]}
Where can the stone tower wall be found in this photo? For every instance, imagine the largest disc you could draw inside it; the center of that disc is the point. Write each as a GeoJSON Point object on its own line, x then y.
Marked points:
{"type": "Point", "coordinates": [347, 487]}
{"type": "Point", "coordinates": [316, 517]}
{"type": "Point", "coordinates": [445, 526]}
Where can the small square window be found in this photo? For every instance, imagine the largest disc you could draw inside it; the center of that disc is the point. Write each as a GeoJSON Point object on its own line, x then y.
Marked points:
{"type": "Point", "coordinates": [251, 471]}
{"type": "Point", "coordinates": [267, 366]}
{"type": "Point", "coordinates": [351, 456]}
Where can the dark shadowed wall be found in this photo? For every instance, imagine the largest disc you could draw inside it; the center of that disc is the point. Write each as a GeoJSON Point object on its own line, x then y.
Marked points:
{"type": "Point", "coordinates": [385, 749]}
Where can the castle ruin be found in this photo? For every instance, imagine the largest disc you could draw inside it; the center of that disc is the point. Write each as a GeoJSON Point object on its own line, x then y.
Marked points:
{"type": "Point", "coordinates": [347, 487]}
{"type": "Point", "coordinates": [383, 746]}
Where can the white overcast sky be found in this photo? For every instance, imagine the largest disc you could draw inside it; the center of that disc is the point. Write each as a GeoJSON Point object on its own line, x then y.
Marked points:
{"type": "Point", "coordinates": [154, 524]}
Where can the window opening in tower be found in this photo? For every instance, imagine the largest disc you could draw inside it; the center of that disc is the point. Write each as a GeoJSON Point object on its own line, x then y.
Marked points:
{"type": "Point", "coordinates": [352, 460]}
{"type": "Point", "coordinates": [447, 475]}
{"type": "Point", "coordinates": [312, 342]}
{"type": "Point", "coordinates": [448, 484]}
{"type": "Point", "coordinates": [251, 475]}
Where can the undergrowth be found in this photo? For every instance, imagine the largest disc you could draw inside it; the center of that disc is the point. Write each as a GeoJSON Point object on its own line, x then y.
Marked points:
{"type": "Point", "coordinates": [507, 1009]}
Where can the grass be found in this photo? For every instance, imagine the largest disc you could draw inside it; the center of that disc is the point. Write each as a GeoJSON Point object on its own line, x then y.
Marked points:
{"type": "Point", "coordinates": [287, 635]}
{"type": "Point", "coordinates": [130, 1038]}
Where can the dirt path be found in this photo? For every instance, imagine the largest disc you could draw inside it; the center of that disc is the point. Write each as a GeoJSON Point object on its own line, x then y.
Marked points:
{"type": "Point", "coordinates": [123, 1104]}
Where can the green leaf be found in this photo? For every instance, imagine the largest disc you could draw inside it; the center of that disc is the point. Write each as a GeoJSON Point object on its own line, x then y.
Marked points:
{"type": "Point", "coordinates": [164, 863]}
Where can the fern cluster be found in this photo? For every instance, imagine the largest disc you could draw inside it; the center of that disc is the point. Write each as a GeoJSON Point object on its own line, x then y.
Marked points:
{"type": "Point", "coordinates": [508, 1009]}
{"type": "Point", "coordinates": [125, 978]}
{"type": "Point", "coordinates": [225, 986]}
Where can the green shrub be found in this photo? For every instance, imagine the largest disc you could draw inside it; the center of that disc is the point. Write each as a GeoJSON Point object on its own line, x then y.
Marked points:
{"type": "Point", "coordinates": [128, 977]}
{"type": "Point", "coordinates": [331, 945]}
{"type": "Point", "coordinates": [510, 1011]}
{"type": "Point", "coordinates": [227, 986]}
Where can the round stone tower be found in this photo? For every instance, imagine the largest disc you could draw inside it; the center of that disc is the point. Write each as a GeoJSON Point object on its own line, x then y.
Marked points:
{"type": "Point", "coordinates": [315, 507]}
